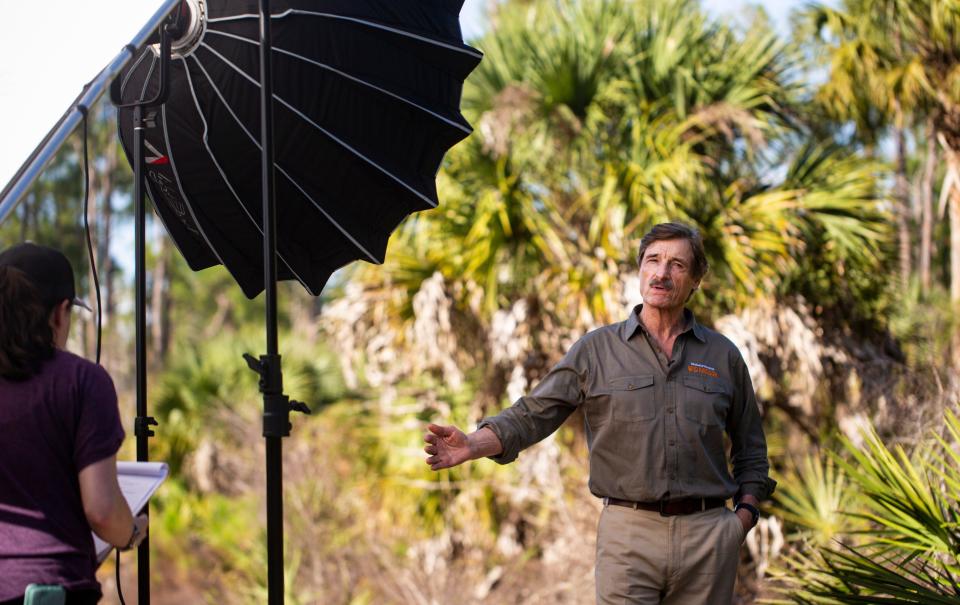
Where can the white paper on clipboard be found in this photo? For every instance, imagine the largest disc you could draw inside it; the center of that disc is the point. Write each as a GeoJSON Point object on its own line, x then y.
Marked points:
{"type": "Point", "coordinates": [138, 481]}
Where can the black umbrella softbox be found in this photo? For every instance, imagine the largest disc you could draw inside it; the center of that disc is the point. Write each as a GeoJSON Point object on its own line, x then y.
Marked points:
{"type": "Point", "coordinates": [366, 104]}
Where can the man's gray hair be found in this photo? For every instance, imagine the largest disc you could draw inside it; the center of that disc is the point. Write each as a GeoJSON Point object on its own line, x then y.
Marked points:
{"type": "Point", "coordinates": [665, 231]}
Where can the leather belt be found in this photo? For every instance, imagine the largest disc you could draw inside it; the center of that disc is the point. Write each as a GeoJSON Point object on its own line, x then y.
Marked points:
{"type": "Point", "coordinates": [669, 508]}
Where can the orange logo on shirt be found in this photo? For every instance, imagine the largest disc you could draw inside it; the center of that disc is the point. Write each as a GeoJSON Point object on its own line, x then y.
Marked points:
{"type": "Point", "coordinates": [699, 368]}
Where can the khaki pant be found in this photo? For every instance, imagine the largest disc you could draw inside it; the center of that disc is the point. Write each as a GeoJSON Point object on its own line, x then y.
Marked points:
{"type": "Point", "coordinates": [646, 559]}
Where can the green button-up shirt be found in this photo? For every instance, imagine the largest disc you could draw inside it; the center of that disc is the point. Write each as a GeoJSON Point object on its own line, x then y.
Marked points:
{"type": "Point", "coordinates": [655, 426]}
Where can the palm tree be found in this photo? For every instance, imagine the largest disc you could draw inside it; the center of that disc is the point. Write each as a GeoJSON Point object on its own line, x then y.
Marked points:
{"type": "Point", "coordinates": [877, 81]}
{"type": "Point", "coordinates": [894, 63]}
{"type": "Point", "coordinates": [596, 119]}
{"type": "Point", "coordinates": [910, 550]}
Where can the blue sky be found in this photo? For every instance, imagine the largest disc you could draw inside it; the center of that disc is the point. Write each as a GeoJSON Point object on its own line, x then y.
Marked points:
{"type": "Point", "coordinates": [473, 21]}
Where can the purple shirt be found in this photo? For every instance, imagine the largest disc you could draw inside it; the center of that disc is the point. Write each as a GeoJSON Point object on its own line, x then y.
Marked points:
{"type": "Point", "coordinates": [52, 426]}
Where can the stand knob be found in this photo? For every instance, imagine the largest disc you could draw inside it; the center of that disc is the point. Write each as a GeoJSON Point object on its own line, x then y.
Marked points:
{"type": "Point", "coordinates": [299, 406]}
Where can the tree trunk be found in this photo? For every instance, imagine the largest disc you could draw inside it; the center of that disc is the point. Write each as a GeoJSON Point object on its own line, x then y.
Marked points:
{"type": "Point", "coordinates": [955, 235]}
{"type": "Point", "coordinates": [902, 187]}
{"type": "Point", "coordinates": [159, 302]}
{"type": "Point", "coordinates": [926, 196]}
{"type": "Point", "coordinates": [952, 176]}
{"type": "Point", "coordinates": [104, 260]}
{"type": "Point", "coordinates": [25, 217]}
{"type": "Point", "coordinates": [955, 259]}
{"type": "Point", "coordinates": [953, 196]}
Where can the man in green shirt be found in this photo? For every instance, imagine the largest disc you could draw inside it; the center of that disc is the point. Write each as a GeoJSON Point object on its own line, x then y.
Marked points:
{"type": "Point", "coordinates": [658, 392]}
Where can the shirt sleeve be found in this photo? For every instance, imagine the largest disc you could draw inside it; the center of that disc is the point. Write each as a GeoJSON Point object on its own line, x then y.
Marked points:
{"type": "Point", "coordinates": [99, 430]}
{"type": "Point", "coordinates": [535, 416]}
{"type": "Point", "coordinates": [748, 452]}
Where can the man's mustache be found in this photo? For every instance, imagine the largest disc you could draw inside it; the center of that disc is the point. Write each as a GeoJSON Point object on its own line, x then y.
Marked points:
{"type": "Point", "coordinates": [666, 284]}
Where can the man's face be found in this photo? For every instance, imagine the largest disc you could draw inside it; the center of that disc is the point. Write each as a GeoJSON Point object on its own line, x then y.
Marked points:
{"type": "Point", "coordinates": [666, 274]}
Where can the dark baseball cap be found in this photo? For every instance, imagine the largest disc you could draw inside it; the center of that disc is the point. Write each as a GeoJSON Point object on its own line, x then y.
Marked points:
{"type": "Point", "coordinates": [47, 269]}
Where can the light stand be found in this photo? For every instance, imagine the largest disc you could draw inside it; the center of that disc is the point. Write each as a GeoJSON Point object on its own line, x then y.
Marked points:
{"type": "Point", "coordinates": [276, 405]}
{"type": "Point", "coordinates": [143, 422]}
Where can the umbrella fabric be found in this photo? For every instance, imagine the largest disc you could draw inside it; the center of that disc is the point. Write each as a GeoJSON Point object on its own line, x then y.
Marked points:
{"type": "Point", "coordinates": [366, 104]}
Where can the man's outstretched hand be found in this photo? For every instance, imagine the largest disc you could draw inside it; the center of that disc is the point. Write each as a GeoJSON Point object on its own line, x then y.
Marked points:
{"type": "Point", "coordinates": [447, 445]}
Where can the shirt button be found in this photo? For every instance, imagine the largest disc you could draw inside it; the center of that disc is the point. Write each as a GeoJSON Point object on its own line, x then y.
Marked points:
{"type": "Point", "coordinates": [671, 442]}
{"type": "Point", "coordinates": [669, 410]}
{"type": "Point", "coordinates": [673, 476]}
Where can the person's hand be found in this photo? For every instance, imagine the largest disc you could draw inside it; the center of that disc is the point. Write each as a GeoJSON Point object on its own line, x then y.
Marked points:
{"type": "Point", "coordinates": [746, 519]}
{"type": "Point", "coordinates": [447, 445]}
{"type": "Point", "coordinates": [140, 527]}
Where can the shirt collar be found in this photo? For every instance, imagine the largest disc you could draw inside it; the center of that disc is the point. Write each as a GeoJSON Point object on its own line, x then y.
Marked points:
{"type": "Point", "coordinates": [632, 324]}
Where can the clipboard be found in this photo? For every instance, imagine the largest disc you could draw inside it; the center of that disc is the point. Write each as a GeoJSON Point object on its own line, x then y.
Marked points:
{"type": "Point", "coordinates": [138, 481]}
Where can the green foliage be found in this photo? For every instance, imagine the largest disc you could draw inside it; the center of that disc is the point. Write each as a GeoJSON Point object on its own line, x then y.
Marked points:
{"type": "Point", "coordinates": [594, 120]}
{"type": "Point", "coordinates": [909, 551]}
{"type": "Point", "coordinates": [597, 119]}
{"type": "Point", "coordinates": [845, 236]}
{"type": "Point", "coordinates": [925, 323]}
{"type": "Point", "coordinates": [892, 83]}
{"type": "Point", "coordinates": [205, 380]}
{"type": "Point", "coordinates": [889, 60]}
{"type": "Point", "coordinates": [814, 497]}
{"type": "Point", "coordinates": [224, 530]}
{"type": "Point", "coordinates": [904, 499]}
{"type": "Point", "coordinates": [207, 395]}
{"type": "Point", "coordinates": [207, 390]}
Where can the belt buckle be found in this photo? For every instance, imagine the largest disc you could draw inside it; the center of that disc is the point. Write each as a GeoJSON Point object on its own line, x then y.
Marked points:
{"type": "Point", "coordinates": [660, 508]}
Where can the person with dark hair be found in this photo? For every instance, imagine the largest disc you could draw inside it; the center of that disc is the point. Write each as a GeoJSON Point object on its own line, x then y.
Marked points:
{"type": "Point", "coordinates": [658, 392]}
{"type": "Point", "coordinates": [59, 435]}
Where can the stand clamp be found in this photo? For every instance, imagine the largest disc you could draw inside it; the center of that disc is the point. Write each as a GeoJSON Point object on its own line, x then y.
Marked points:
{"type": "Point", "coordinates": [142, 424]}
{"type": "Point", "coordinates": [276, 405]}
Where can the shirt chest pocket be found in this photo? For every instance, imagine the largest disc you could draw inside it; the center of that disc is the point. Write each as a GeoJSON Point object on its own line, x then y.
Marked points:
{"type": "Point", "coordinates": [632, 398]}
{"type": "Point", "coordinates": [705, 401]}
